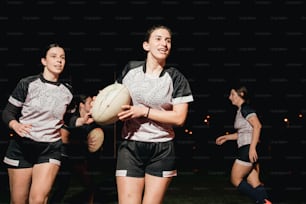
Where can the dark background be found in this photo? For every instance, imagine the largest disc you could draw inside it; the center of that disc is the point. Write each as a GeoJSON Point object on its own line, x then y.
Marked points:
{"type": "Point", "coordinates": [216, 44]}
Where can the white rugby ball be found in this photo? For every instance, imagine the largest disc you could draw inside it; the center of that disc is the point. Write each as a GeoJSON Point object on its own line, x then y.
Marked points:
{"type": "Point", "coordinates": [107, 104]}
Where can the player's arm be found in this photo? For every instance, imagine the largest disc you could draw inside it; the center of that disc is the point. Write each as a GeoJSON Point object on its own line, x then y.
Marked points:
{"type": "Point", "coordinates": [254, 121]}
{"type": "Point", "coordinates": [85, 120]}
{"type": "Point", "coordinates": [9, 117]}
{"type": "Point", "coordinates": [220, 140]}
{"type": "Point", "coordinates": [176, 116]}
{"type": "Point", "coordinates": [10, 113]}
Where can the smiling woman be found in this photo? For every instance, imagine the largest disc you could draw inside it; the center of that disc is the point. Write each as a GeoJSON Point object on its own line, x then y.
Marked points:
{"type": "Point", "coordinates": [245, 170]}
{"type": "Point", "coordinates": [34, 112]}
{"type": "Point", "coordinates": [160, 97]}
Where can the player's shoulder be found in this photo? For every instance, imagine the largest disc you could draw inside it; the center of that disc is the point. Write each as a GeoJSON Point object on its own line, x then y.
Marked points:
{"type": "Point", "coordinates": [134, 64]}
{"type": "Point", "coordinates": [68, 86]}
{"type": "Point", "coordinates": [247, 109]}
{"type": "Point", "coordinates": [174, 73]}
{"type": "Point", "coordinates": [130, 65]}
{"type": "Point", "coordinates": [172, 70]}
{"type": "Point", "coordinates": [29, 79]}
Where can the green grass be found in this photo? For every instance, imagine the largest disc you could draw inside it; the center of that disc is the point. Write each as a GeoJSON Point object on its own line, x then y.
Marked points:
{"type": "Point", "coordinates": [189, 187]}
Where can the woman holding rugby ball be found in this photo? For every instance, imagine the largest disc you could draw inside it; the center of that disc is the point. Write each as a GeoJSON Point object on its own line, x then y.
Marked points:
{"type": "Point", "coordinates": [160, 95]}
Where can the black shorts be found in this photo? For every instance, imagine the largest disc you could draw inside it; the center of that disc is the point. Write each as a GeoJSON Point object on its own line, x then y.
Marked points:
{"type": "Point", "coordinates": [243, 155]}
{"type": "Point", "coordinates": [135, 159]}
{"type": "Point", "coordinates": [25, 153]}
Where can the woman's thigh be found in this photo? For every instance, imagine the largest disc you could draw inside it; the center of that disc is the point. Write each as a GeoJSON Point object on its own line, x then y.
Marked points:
{"type": "Point", "coordinates": [129, 189]}
{"type": "Point", "coordinates": [239, 171]}
{"type": "Point", "coordinates": [43, 177]}
{"type": "Point", "coordinates": [20, 181]}
{"type": "Point", "coordinates": [155, 188]}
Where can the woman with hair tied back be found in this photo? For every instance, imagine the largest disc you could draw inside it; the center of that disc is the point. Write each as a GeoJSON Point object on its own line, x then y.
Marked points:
{"type": "Point", "coordinates": [160, 95]}
{"type": "Point", "coordinates": [35, 112]}
{"type": "Point", "coordinates": [248, 132]}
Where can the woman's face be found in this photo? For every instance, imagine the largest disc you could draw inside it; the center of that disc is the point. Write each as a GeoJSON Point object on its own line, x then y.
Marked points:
{"type": "Point", "coordinates": [159, 44]}
{"type": "Point", "coordinates": [55, 60]}
{"type": "Point", "coordinates": [88, 104]}
{"type": "Point", "coordinates": [235, 98]}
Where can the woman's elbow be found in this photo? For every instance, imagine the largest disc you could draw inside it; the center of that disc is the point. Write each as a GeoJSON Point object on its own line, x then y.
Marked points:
{"type": "Point", "coordinates": [179, 122]}
{"type": "Point", "coordinates": [258, 126]}
{"type": "Point", "coordinates": [179, 118]}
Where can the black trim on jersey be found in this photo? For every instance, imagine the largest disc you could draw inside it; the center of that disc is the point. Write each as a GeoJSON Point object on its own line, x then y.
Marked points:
{"type": "Point", "coordinates": [23, 84]}
{"type": "Point", "coordinates": [178, 81]}
{"type": "Point", "coordinates": [57, 83]}
{"type": "Point", "coordinates": [128, 66]}
{"type": "Point", "coordinates": [246, 109]}
{"type": "Point", "coordinates": [11, 112]}
{"type": "Point", "coordinates": [176, 75]}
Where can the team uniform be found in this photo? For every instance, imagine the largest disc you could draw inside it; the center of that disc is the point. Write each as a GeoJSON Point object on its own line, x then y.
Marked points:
{"type": "Point", "coordinates": [42, 104]}
{"type": "Point", "coordinates": [245, 131]}
{"type": "Point", "coordinates": [75, 156]}
{"type": "Point", "coordinates": [148, 145]}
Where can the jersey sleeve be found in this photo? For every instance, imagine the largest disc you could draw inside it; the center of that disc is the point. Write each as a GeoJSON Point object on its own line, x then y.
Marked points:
{"type": "Point", "coordinates": [247, 111]}
{"type": "Point", "coordinates": [20, 92]}
{"type": "Point", "coordinates": [181, 88]}
{"type": "Point", "coordinates": [13, 108]}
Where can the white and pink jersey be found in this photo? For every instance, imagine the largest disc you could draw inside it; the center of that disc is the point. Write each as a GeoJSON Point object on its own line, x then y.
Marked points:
{"type": "Point", "coordinates": [160, 92]}
{"type": "Point", "coordinates": [43, 105]}
{"type": "Point", "coordinates": [244, 128]}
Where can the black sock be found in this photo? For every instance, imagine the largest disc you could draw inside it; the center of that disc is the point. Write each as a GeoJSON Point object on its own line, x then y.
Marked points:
{"type": "Point", "coordinates": [245, 188]}
{"type": "Point", "coordinates": [262, 193]}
